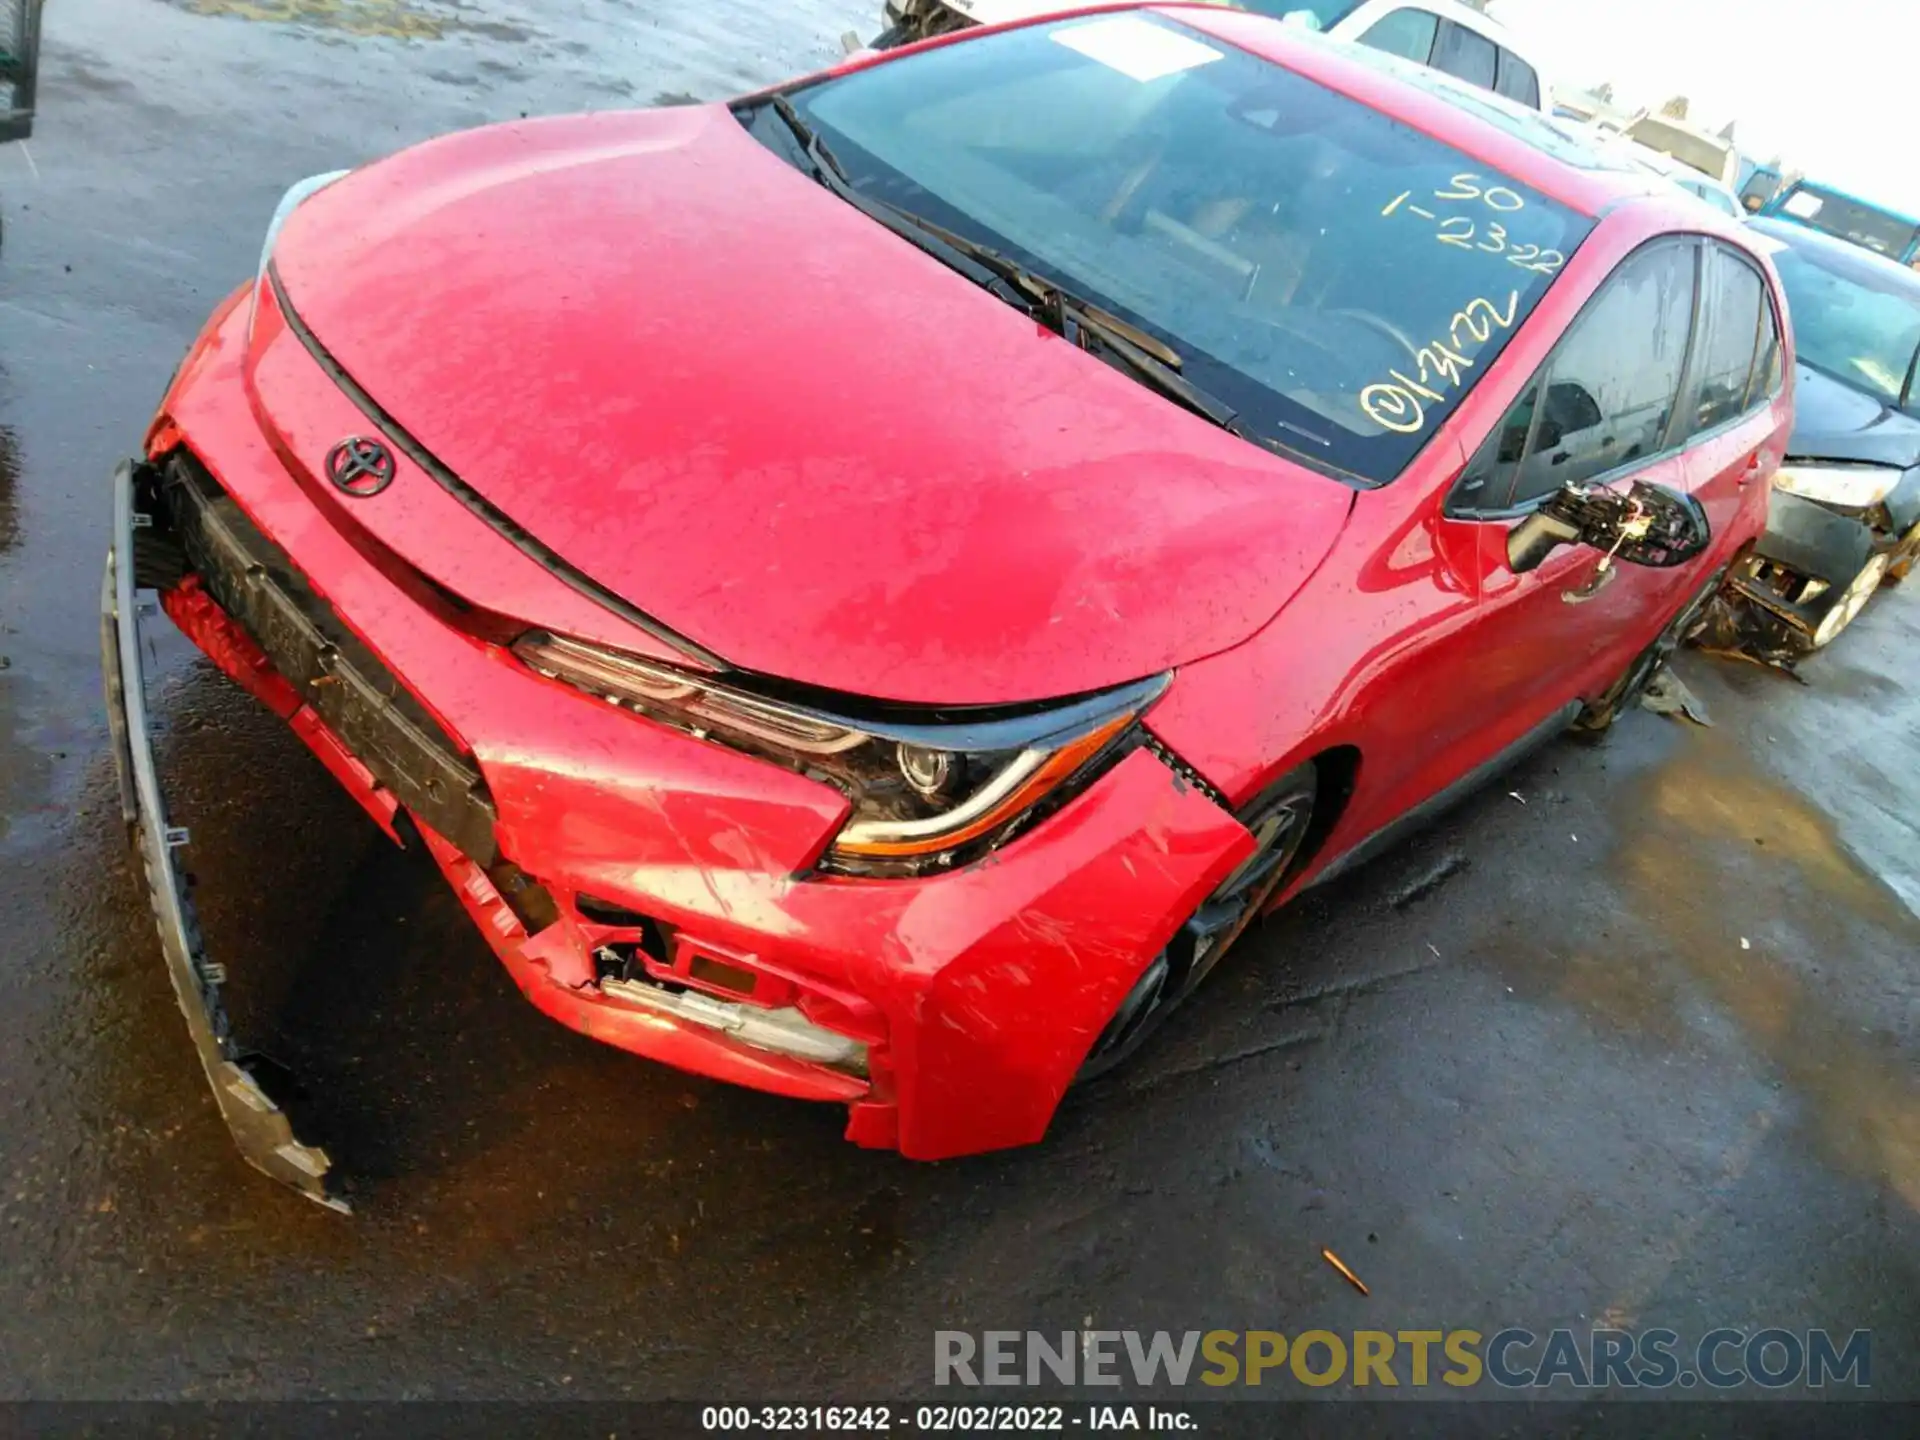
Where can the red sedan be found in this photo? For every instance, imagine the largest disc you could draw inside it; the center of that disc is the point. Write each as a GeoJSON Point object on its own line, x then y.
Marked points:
{"type": "Point", "coordinates": [865, 591]}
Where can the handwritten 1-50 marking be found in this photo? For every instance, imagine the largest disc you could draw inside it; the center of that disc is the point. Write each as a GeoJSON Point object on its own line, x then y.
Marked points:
{"type": "Point", "coordinates": [1464, 233]}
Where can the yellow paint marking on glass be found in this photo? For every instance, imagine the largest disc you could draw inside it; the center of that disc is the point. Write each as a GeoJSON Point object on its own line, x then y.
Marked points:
{"type": "Point", "coordinates": [1395, 403]}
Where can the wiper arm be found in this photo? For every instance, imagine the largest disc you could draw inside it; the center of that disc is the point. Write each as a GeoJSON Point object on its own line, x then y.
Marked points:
{"type": "Point", "coordinates": [1051, 296]}
{"type": "Point", "coordinates": [1148, 359]}
{"type": "Point", "coordinates": [938, 243]}
{"type": "Point", "coordinates": [1114, 339]}
{"type": "Point", "coordinates": [827, 168]}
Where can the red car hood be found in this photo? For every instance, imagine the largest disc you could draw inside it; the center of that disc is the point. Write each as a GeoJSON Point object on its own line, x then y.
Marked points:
{"type": "Point", "coordinates": [782, 431]}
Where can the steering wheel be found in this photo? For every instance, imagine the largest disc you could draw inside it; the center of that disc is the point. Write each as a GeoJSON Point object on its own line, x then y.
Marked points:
{"type": "Point", "coordinates": [1384, 327]}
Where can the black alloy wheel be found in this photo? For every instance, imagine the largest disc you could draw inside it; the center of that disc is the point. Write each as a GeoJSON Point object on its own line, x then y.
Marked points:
{"type": "Point", "coordinates": [1279, 819]}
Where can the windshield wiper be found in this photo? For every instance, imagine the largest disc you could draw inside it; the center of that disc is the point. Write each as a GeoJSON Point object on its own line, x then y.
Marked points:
{"type": "Point", "coordinates": [828, 170]}
{"type": "Point", "coordinates": [826, 167]}
{"type": "Point", "coordinates": [1149, 360]}
{"type": "Point", "coordinates": [1098, 331]}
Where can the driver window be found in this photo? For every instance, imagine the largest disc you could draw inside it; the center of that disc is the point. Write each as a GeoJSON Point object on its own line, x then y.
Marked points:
{"type": "Point", "coordinates": [1613, 383]}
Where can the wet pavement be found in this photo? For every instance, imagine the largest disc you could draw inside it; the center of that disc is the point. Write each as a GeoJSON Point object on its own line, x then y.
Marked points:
{"type": "Point", "coordinates": [1646, 1050]}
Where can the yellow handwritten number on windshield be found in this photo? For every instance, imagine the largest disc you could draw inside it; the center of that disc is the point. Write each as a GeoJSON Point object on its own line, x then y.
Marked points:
{"type": "Point", "coordinates": [1467, 187]}
{"type": "Point", "coordinates": [1395, 403]}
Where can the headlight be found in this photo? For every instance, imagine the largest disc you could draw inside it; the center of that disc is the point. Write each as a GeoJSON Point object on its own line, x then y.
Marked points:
{"type": "Point", "coordinates": [1853, 487]}
{"type": "Point", "coordinates": [928, 791]}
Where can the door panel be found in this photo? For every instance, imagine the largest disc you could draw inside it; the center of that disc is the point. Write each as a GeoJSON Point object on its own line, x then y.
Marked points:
{"type": "Point", "coordinates": [1600, 411]}
{"type": "Point", "coordinates": [1558, 635]}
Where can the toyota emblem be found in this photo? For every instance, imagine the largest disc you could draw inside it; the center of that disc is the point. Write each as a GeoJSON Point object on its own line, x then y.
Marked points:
{"type": "Point", "coordinates": [360, 466]}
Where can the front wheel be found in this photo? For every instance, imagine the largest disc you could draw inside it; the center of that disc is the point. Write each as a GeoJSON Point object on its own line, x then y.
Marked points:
{"type": "Point", "coordinates": [1279, 820]}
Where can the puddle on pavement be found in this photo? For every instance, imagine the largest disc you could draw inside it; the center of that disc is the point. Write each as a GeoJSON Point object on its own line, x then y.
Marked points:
{"type": "Point", "coordinates": [1738, 894]}
{"type": "Point", "coordinates": [374, 19]}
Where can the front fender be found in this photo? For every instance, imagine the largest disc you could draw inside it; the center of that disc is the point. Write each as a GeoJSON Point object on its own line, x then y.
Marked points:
{"type": "Point", "coordinates": [1903, 505]}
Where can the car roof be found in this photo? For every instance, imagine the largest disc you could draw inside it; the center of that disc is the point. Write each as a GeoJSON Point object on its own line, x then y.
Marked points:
{"type": "Point", "coordinates": [1837, 253]}
{"type": "Point", "coordinates": [1522, 142]}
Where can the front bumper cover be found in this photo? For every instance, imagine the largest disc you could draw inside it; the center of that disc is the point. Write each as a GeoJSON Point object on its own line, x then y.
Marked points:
{"type": "Point", "coordinates": [981, 987]}
{"type": "Point", "coordinates": [1804, 542]}
{"type": "Point", "coordinates": [259, 1126]}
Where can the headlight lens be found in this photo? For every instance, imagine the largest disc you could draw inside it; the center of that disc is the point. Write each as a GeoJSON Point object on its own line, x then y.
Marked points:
{"type": "Point", "coordinates": [1855, 487]}
{"type": "Point", "coordinates": [928, 792]}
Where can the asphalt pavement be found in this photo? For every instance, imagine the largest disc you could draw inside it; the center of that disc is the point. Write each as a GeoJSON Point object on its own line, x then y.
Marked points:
{"type": "Point", "coordinates": [1631, 1037]}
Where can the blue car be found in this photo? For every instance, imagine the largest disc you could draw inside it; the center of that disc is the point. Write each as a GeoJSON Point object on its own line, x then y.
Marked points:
{"type": "Point", "coordinates": [1835, 212]}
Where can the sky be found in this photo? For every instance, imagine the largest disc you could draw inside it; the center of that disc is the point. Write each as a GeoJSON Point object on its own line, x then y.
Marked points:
{"type": "Point", "coordinates": [1830, 85]}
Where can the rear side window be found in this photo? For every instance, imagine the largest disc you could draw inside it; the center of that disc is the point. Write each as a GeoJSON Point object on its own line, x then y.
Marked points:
{"type": "Point", "coordinates": [1735, 301]}
{"type": "Point", "coordinates": [1766, 367]}
{"type": "Point", "coordinates": [1517, 80]}
{"type": "Point", "coordinates": [1607, 396]}
{"type": "Point", "coordinates": [1471, 56]}
{"type": "Point", "coordinates": [1408, 33]}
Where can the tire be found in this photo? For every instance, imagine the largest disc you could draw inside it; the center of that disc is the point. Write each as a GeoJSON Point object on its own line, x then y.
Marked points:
{"type": "Point", "coordinates": [1280, 818]}
{"type": "Point", "coordinates": [1597, 718]}
{"type": "Point", "coordinates": [893, 37]}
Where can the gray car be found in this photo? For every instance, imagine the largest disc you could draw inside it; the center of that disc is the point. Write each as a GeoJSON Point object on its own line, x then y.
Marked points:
{"type": "Point", "coordinates": [1845, 513]}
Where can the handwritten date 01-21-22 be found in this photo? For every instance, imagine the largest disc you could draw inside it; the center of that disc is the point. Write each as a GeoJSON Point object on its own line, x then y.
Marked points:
{"type": "Point", "coordinates": [1396, 404]}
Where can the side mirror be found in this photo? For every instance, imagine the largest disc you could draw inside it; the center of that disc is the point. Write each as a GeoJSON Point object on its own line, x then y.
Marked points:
{"type": "Point", "coordinates": [1648, 525]}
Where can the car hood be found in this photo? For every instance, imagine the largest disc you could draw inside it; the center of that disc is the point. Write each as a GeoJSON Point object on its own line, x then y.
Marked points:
{"type": "Point", "coordinates": [782, 431]}
{"type": "Point", "coordinates": [1834, 421]}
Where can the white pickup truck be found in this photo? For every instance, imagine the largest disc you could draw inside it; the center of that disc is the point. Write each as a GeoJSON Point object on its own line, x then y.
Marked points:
{"type": "Point", "coordinates": [1442, 33]}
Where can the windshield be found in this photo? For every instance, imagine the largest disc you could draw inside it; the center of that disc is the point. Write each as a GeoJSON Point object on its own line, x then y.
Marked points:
{"type": "Point", "coordinates": [1852, 323]}
{"type": "Point", "coordinates": [1337, 278]}
{"type": "Point", "coordinates": [1701, 152]}
{"type": "Point", "coordinates": [1850, 219]}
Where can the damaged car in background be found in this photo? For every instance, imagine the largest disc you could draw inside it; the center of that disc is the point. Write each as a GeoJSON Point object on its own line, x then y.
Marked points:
{"type": "Point", "coordinates": [1845, 517]}
{"type": "Point", "coordinates": [1460, 40]}
{"type": "Point", "coordinates": [1329, 438]}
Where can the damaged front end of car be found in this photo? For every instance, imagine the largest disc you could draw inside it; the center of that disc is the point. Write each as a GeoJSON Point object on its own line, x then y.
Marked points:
{"type": "Point", "coordinates": [1835, 533]}
{"type": "Point", "coordinates": [909, 21]}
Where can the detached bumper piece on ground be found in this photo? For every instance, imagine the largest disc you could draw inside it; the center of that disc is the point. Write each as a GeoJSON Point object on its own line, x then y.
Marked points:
{"type": "Point", "coordinates": [260, 1127]}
